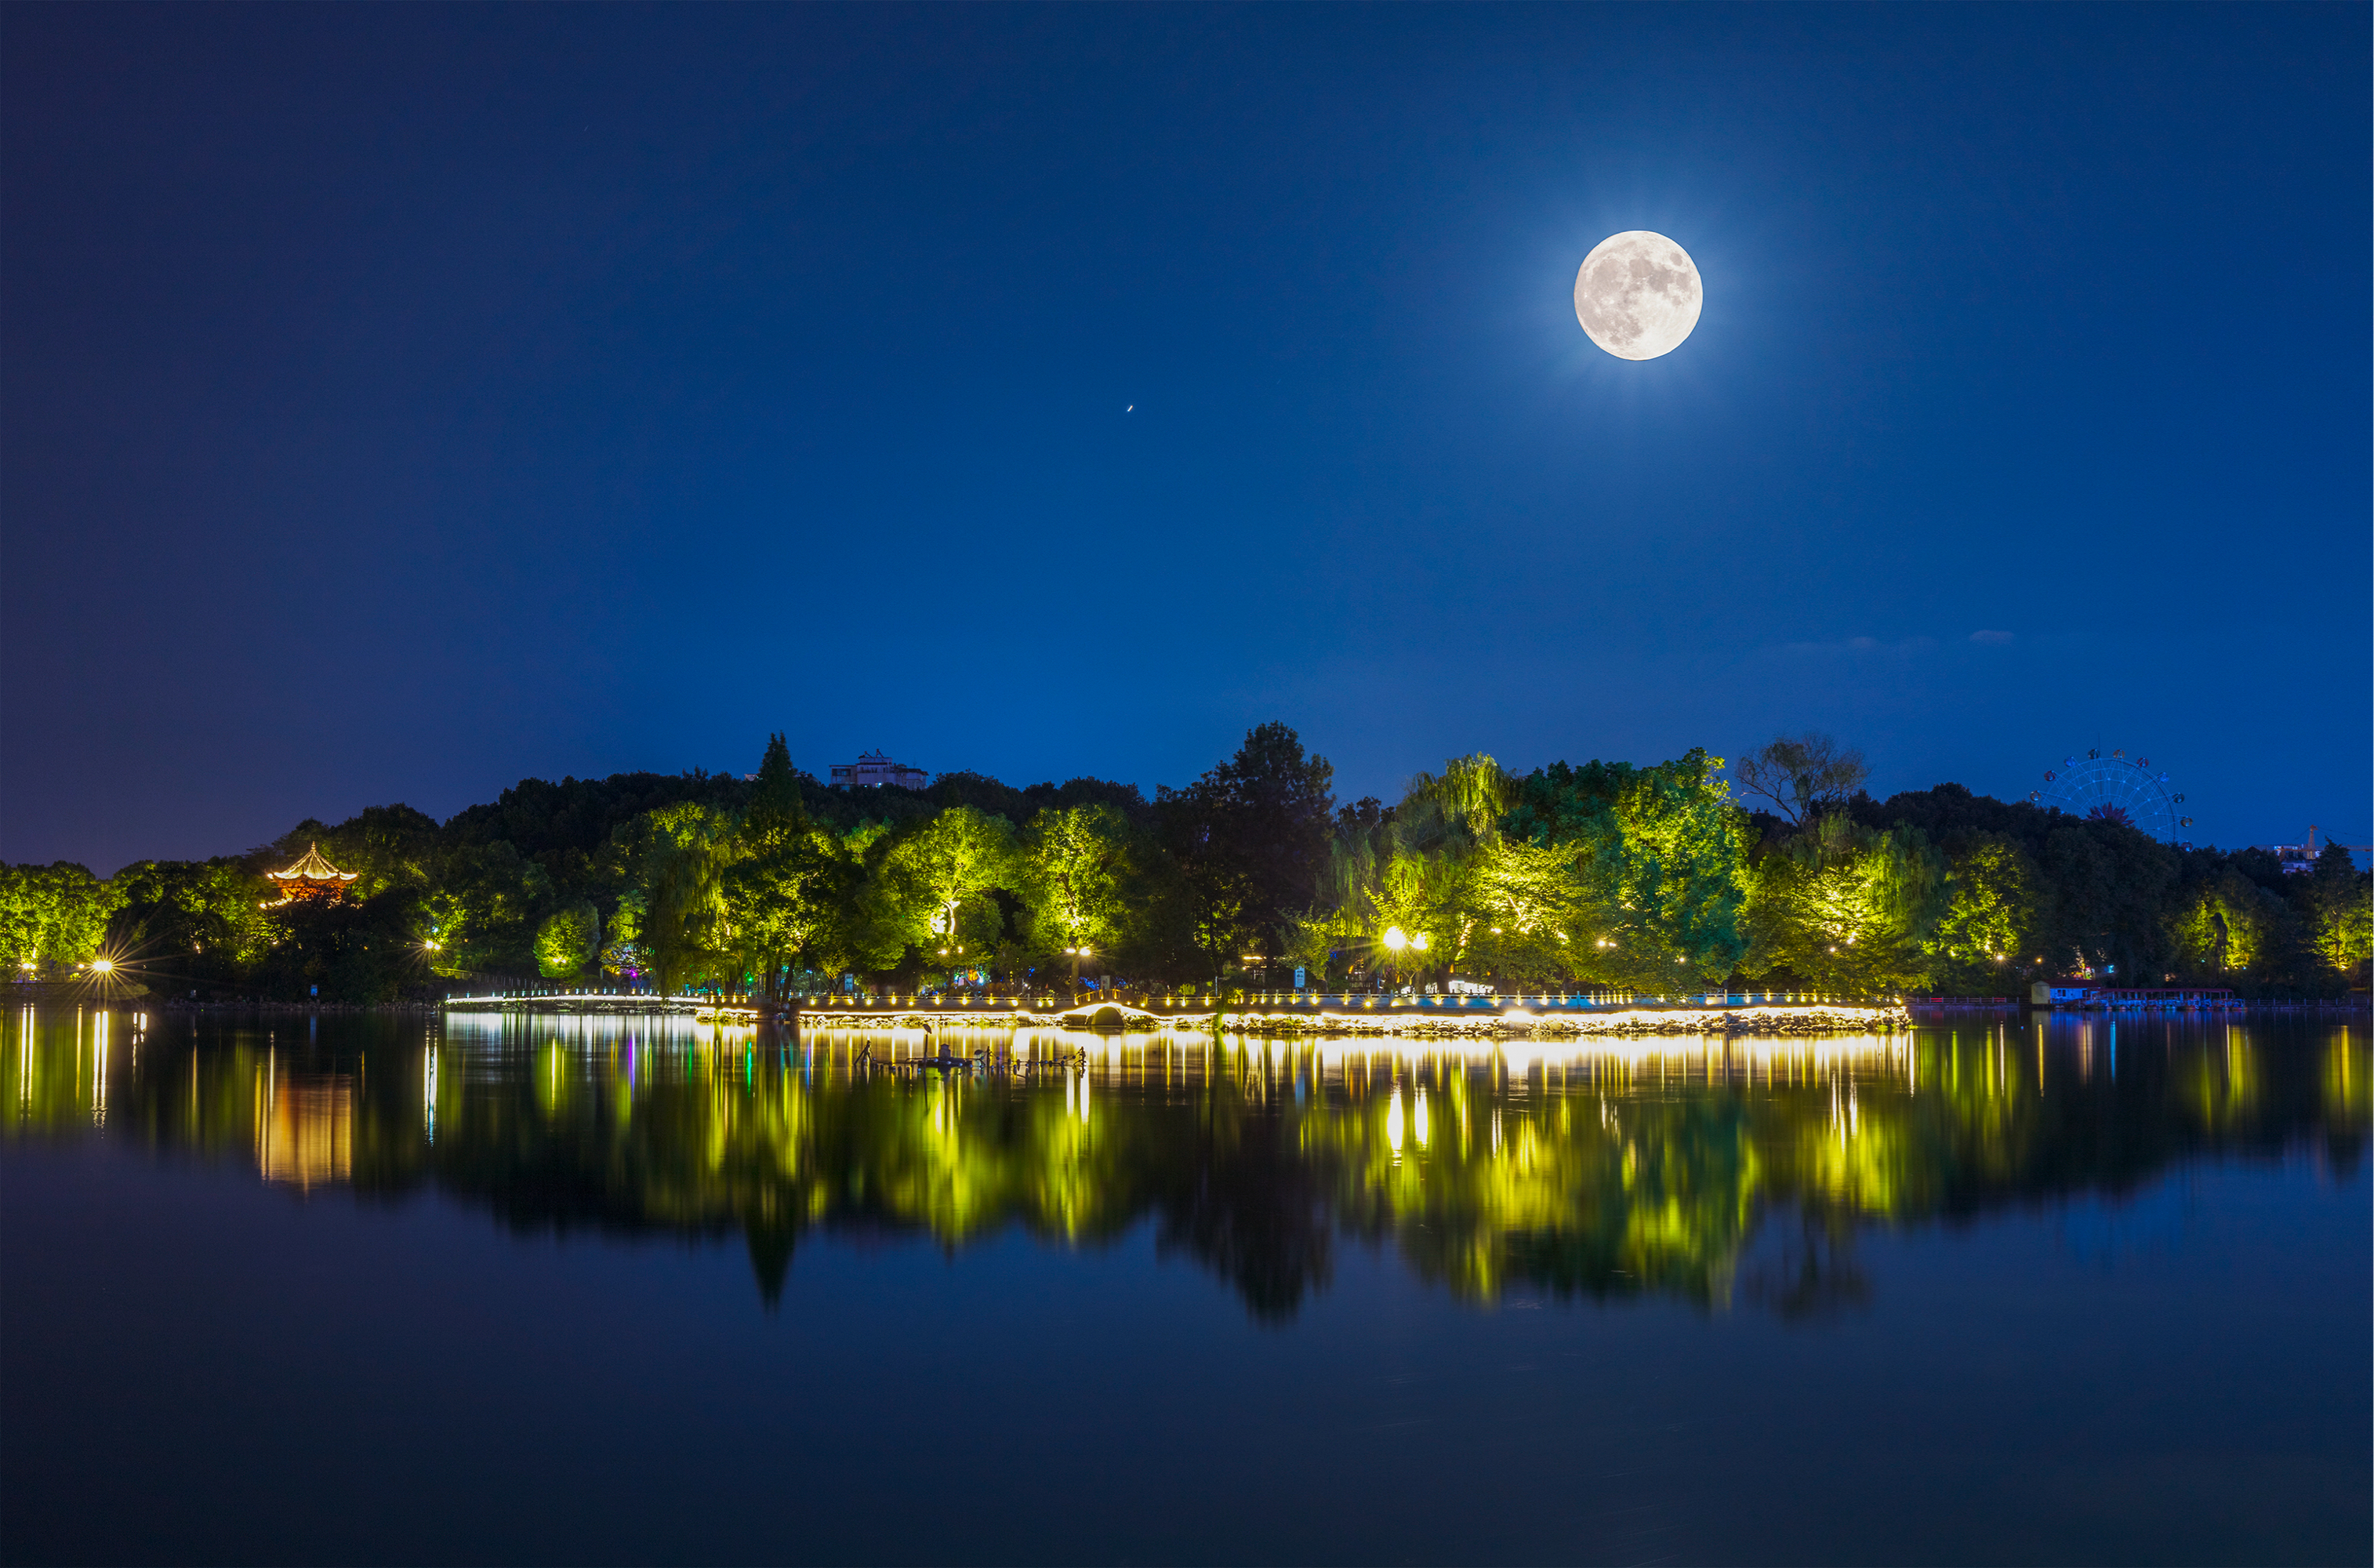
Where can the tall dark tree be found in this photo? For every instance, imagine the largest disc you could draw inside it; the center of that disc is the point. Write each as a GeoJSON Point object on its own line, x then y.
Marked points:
{"type": "Point", "coordinates": [775, 802]}
{"type": "Point", "coordinates": [1278, 808]}
{"type": "Point", "coordinates": [1250, 840]}
{"type": "Point", "coordinates": [1203, 896]}
{"type": "Point", "coordinates": [2109, 886]}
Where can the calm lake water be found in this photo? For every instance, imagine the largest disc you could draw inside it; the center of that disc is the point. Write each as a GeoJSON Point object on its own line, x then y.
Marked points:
{"type": "Point", "coordinates": [362, 1289]}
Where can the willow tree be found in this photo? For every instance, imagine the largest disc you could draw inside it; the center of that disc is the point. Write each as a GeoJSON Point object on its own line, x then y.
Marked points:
{"type": "Point", "coordinates": [679, 853]}
{"type": "Point", "coordinates": [1444, 832]}
{"type": "Point", "coordinates": [1342, 912]}
{"type": "Point", "coordinates": [1842, 907]}
{"type": "Point", "coordinates": [1402, 885]}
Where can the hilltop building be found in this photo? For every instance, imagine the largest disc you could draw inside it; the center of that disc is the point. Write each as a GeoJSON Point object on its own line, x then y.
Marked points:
{"type": "Point", "coordinates": [874, 768]}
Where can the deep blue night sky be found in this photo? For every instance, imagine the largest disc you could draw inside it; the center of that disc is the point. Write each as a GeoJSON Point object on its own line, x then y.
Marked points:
{"type": "Point", "coordinates": [402, 401]}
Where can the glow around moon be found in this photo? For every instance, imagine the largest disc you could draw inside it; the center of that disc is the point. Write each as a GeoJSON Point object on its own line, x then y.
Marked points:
{"type": "Point", "coordinates": [1638, 294]}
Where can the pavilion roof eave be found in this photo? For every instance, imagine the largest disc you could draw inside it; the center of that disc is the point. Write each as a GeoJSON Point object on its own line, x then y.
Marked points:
{"type": "Point", "coordinates": [312, 868]}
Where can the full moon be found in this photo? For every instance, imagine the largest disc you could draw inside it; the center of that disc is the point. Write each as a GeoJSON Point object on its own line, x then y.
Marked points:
{"type": "Point", "coordinates": [1637, 294]}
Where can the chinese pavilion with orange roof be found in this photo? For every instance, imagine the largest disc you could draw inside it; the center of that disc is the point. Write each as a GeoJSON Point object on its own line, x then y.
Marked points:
{"type": "Point", "coordinates": [310, 881]}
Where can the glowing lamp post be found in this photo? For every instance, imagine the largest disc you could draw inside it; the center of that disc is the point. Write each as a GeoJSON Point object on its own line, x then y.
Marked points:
{"type": "Point", "coordinates": [1398, 942]}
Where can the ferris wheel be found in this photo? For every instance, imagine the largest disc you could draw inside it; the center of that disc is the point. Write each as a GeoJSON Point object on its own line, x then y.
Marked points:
{"type": "Point", "coordinates": [2117, 788]}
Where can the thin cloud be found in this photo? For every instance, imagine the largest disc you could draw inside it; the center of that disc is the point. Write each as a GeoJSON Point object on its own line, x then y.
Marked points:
{"type": "Point", "coordinates": [1860, 647]}
{"type": "Point", "coordinates": [1990, 637]}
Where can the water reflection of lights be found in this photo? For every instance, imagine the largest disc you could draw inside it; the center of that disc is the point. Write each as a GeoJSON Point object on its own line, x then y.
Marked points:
{"type": "Point", "coordinates": [1659, 1151]}
{"type": "Point", "coordinates": [99, 1069]}
{"type": "Point", "coordinates": [304, 1126]}
{"type": "Point", "coordinates": [1522, 1065]}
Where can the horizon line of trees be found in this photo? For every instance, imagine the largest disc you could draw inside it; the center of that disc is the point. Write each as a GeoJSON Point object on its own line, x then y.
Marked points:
{"type": "Point", "coordinates": [1652, 879]}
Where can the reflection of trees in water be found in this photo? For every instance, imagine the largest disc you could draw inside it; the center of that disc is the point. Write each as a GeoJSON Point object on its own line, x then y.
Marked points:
{"type": "Point", "coordinates": [1711, 1177]}
{"type": "Point", "coordinates": [1801, 1266]}
{"type": "Point", "coordinates": [1244, 1201]}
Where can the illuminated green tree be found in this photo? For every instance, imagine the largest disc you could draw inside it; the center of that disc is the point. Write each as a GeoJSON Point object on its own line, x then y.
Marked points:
{"type": "Point", "coordinates": [52, 917]}
{"type": "Point", "coordinates": [567, 941]}
{"type": "Point", "coordinates": [2340, 903]}
{"type": "Point", "coordinates": [1659, 859]}
{"type": "Point", "coordinates": [1536, 925]}
{"type": "Point", "coordinates": [1072, 860]}
{"type": "Point", "coordinates": [1991, 908]}
{"type": "Point", "coordinates": [1428, 887]}
{"type": "Point", "coordinates": [622, 949]}
{"type": "Point", "coordinates": [680, 853]}
{"type": "Point", "coordinates": [937, 878]}
{"type": "Point", "coordinates": [180, 920]}
{"type": "Point", "coordinates": [1844, 908]}
{"type": "Point", "coordinates": [789, 888]}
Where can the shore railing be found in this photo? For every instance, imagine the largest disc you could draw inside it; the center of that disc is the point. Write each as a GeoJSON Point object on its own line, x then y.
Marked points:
{"type": "Point", "coordinates": [1316, 1001]}
{"type": "Point", "coordinates": [630, 998]}
{"type": "Point", "coordinates": [627, 998]}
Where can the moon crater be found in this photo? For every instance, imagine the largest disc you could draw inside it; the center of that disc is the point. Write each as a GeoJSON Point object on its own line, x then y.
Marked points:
{"type": "Point", "coordinates": [1638, 294]}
